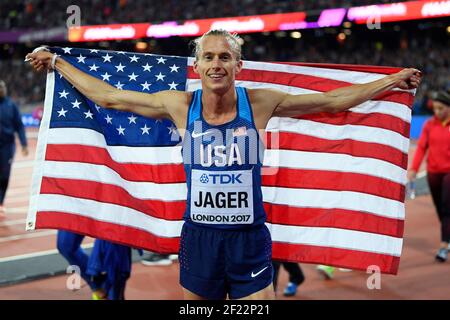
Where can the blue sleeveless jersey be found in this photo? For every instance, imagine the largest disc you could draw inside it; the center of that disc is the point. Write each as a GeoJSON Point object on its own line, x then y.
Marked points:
{"type": "Point", "coordinates": [223, 168]}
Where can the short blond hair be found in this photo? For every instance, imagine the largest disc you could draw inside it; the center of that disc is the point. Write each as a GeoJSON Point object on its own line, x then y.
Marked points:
{"type": "Point", "coordinates": [233, 40]}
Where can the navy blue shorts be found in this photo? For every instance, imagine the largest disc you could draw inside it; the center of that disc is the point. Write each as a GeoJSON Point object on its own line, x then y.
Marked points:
{"type": "Point", "coordinates": [215, 262]}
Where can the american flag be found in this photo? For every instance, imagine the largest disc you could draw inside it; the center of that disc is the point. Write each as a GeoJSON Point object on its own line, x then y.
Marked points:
{"type": "Point", "coordinates": [336, 198]}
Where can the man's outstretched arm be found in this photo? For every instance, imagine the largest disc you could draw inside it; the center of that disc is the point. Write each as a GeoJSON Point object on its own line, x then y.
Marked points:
{"type": "Point", "coordinates": [343, 98]}
{"type": "Point", "coordinates": [157, 105]}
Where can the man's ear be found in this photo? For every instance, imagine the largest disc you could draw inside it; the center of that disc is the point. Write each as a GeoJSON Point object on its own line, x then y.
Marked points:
{"type": "Point", "coordinates": [195, 66]}
{"type": "Point", "coordinates": [239, 65]}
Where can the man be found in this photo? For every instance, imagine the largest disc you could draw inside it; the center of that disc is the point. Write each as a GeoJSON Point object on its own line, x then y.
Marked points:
{"type": "Point", "coordinates": [10, 122]}
{"type": "Point", "coordinates": [225, 246]}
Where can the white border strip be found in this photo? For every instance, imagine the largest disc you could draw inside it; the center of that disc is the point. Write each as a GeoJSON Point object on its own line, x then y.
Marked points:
{"type": "Point", "coordinates": [40, 152]}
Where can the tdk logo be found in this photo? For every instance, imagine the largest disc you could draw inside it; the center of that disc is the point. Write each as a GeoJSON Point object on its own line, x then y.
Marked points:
{"type": "Point", "coordinates": [221, 178]}
{"type": "Point", "coordinates": [204, 178]}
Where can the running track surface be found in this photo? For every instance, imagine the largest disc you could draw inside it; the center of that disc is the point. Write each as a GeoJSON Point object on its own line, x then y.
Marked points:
{"type": "Point", "coordinates": [419, 277]}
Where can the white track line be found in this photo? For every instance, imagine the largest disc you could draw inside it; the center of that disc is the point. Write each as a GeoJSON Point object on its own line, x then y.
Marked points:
{"type": "Point", "coordinates": [39, 253]}
{"type": "Point", "coordinates": [28, 236]}
{"type": "Point", "coordinates": [13, 223]}
{"type": "Point", "coordinates": [16, 210]}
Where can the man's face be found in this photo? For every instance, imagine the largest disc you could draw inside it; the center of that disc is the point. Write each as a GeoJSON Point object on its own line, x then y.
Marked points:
{"type": "Point", "coordinates": [441, 111]}
{"type": "Point", "coordinates": [217, 64]}
{"type": "Point", "coordinates": [2, 89]}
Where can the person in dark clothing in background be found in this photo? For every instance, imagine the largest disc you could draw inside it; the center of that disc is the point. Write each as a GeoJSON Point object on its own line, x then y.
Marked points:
{"type": "Point", "coordinates": [296, 276]}
{"type": "Point", "coordinates": [10, 122]}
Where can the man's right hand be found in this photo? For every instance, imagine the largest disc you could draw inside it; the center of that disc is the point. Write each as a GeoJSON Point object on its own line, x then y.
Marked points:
{"type": "Point", "coordinates": [40, 60]}
{"type": "Point", "coordinates": [412, 174]}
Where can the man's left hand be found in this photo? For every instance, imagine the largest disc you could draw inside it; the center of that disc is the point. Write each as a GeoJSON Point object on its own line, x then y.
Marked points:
{"type": "Point", "coordinates": [407, 78]}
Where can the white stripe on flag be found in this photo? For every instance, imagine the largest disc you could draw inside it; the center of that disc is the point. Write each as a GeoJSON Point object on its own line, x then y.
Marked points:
{"type": "Point", "coordinates": [108, 212]}
{"type": "Point", "coordinates": [330, 199]}
{"type": "Point", "coordinates": [343, 239]}
{"type": "Point", "coordinates": [122, 154]}
{"type": "Point", "coordinates": [334, 162]}
{"type": "Point", "coordinates": [103, 174]}
{"type": "Point", "coordinates": [340, 132]}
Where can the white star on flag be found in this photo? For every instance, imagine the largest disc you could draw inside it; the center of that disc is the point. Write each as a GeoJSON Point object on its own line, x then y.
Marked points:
{"type": "Point", "coordinates": [145, 129]}
{"type": "Point", "coordinates": [120, 67]}
{"type": "Point", "coordinates": [108, 119]}
{"type": "Point", "coordinates": [121, 130]}
{"type": "Point", "coordinates": [145, 86]}
{"type": "Point", "coordinates": [174, 68]}
{"type": "Point", "coordinates": [97, 107]}
{"type": "Point", "coordinates": [63, 94]}
{"type": "Point", "coordinates": [67, 50]}
{"type": "Point", "coordinates": [160, 76]}
{"type": "Point", "coordinates": [173, 86]}
{"type": "Point", "coordinates": [147, 67]}
{"type": "Point", "coordinates": [93, 67]}
{"type": "Point", "coordinates": [106, 76]}
{"type": "Point", "coordinates": [161, 60]}
{"type": "Point", "coordinates": [93, 51]}
{"type": "Point", "coordinates": [62, 112]}
{"type": "Point", "coordinates": [81, 58]}
{"type": "Point", "coordinates": [119, 85]}
{"type": "Point", "coordinates": [132, 119]}
{"type": "Point", "coordinates": [172, 130]}
{"type": "Point", "coordinates": [76, 104]}
{"type": "Point", "coordinates": [107, 58]}
{"type": "Point", "coordinates": [133, 76]}
{"type": "Point", "coordinates": [88, 114]}
{"type": "Point", "coordinates": [134, 58]}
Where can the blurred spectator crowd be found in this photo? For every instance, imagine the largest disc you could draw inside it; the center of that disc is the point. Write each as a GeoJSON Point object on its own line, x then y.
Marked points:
{"type": "Point", "coordinates": [23, 14]}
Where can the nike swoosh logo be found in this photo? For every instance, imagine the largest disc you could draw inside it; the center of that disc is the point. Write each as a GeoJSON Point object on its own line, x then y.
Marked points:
{"type": "Point", "coordinates": [196, 135]}
{"type": "Point", "coordinates": [256, 274]}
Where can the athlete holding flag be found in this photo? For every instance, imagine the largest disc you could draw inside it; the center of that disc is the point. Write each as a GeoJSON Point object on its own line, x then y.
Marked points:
{"type": "Point", "coordinates": [226, 249]}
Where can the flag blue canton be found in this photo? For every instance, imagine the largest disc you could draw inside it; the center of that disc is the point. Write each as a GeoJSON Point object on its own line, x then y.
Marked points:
{"type": "Point", "coordinates": [146, 73]}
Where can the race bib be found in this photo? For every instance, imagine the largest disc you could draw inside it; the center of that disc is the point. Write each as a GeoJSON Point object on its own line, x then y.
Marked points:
{"type": "Point", "coordinates": [222, 197]}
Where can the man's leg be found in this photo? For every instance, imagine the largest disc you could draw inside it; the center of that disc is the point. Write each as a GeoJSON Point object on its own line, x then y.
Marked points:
{"type": "Point", "coordinates": [265, 294]}
{"type": "Point", "coordinates": [188, 295]}
{"type": "Point", "coordinates": [295, 273]}
{"type": "Point", "coordinates": [69, 246]}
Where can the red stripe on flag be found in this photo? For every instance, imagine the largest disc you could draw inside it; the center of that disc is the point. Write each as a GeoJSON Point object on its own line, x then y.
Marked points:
{"type": "Point", "coordinates": [107, 193]}
{"type": "Point", "coordinates": [344, 258]}
{"type": "Point", "coordinates": [161, 173]}
{"type": "Point", "coordinates": [308, 82]}
{"type": "Point", "coordinates": [375, 120]}
{"type": "Point", "coordinates": [337, 181]}
{"type": "Point", "coordinates": [300, 142]}
{"type": "Point", "coordinates": [107, 231]}
{"type": "Point", "coordinates": [333, 218]}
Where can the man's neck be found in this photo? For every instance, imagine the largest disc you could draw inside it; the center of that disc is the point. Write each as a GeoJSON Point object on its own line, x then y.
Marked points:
{"type": "Point", "coordinates": [216, 106]}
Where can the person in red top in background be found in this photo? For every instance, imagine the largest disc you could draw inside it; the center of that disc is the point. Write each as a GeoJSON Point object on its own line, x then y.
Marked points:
{"type": "Point", "coordinates": [435, 138]}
